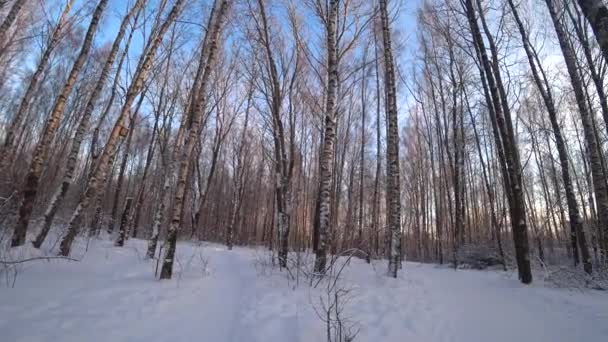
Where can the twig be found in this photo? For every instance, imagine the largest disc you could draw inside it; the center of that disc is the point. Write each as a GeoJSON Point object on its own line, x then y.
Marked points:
{"type": "Point", "coordinates": [47, 258]}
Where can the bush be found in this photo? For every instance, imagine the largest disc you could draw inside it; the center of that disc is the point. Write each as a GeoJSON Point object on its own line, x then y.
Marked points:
{"type": "Point", "coordinates": [478, 257]}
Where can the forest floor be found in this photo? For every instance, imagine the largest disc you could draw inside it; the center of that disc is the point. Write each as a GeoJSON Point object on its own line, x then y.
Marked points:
{"type": "Point", "coordinates": [111, 294]}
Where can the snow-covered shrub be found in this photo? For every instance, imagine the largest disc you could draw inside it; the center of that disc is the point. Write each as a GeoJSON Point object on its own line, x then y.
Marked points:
{"type": "Point", "coordinates": [575, 278]}
{"type": "Point", "coordinates": [478, 257]}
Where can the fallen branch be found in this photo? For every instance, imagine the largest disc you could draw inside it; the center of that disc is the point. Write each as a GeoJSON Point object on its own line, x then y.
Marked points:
{"type": "Point", "coordinates": [47, 258]}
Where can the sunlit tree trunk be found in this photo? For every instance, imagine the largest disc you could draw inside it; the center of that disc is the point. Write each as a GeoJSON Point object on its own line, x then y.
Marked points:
{"type": "Point", "coordinates": [8, 22]}
{"type": "Point", "coordinates": [7, 148]}
{"type": "Point", "coordinates": [545, 90]}
{"type": "Point", "coordinates": [512, 172]}
{"type": "Point", "coordinates": [117, 133]}
{"type": "Point", "coordinates": [70, 167]}
{"type": "Point", "coordinates": [393, 186]}
{"type": "Point", "coordinates": [599, 181]}
{"type": "Point", "coordinates": [191, 138]}
{"type": "Point", "coordinates": [328, 146]}
{"type": "Point", "coordinates": [141, 193]}
{"type": "Point", "coordinates": [41, 151]}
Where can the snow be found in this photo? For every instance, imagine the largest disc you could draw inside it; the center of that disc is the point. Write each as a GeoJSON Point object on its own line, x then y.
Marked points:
{"type": "Point", "coordinates": [218, 295]}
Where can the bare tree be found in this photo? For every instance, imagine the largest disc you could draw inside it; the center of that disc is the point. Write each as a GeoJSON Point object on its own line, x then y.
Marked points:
{"type": "Point", "coordinates": [393, 184]}
{"type": "Point", "coordinates": [596, 13]}
{"type": "Point", "coordinates": [597, 172]}
{"type": "Point", "coordinates": [542, 83]}
{"type": "Point", "coordinates": [329, 136]}
{"type": "Point", "coordinates": [503, 131]}
{"type": "Point", "coordinates": [82, 126]}
{"type": "Point", "coordinates": [8, 147]}
{"type": "Point", "coordinates": [9, 20]}
{"type": "Point", "coordinates": [274, 93]}
{"type": "Point", "coordinates": [194, 130]}
{"type": "Point", "coordinates": [118, 131]}
{"type": "Point", "coordinates": [42, 148]}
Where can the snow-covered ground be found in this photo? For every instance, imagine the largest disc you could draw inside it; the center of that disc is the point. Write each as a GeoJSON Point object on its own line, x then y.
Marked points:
{"type": "Point", "coordinates": [221, 295]}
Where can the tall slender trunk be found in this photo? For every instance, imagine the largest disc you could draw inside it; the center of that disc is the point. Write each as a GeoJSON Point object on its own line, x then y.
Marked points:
{"type": "Point", "coordinates": [139, 200]}
{"type": "Point", "coordinates": [7, 149]}
{"type": "Point", "coordinates": [124, 222]}
{"type": "Point", "coordinates": [282, 165]}
{"type": "Point", "coordinates": [360, 238]}
{"type": "Point", "coordinates": [239, 174]}
{"type": "Point", "coordinates": [191, 139]}
{"type": "Point", "coordinates": [123, 167]}
{"type": "Point", "coordinates": [10, 18]}
{"type": "Point", "coordinates": [94, 226]}
{"type": "Point", "coordinates": [458, 233]}
{"type": "Point", "coordinates": [599, 181]}
{"type": "Point", "coordinates": [596, 77]}
{"type": "Point", "coordinates": [375, 199]}
{"type": "Point", "coordinates": [512, 168]}
{"type": "Point", "coordinates": [41, 151]}
{"type": "Point", "coordinates": [393, 186]}
{"type": "Point", "coordinates": [70, 167]}
{"type": "Point", "coordinates": [489, 190]}
{"type": "Point", "coordinates": [95, 139]}
{"type": "Point", "coordinates": [328, 150]}
{"type": "Point", "coordinates": [215, 153]}
{"type": "Point", "coordinates": [596, 13]}
{"type": "Point", "coordinates": [103, 165]}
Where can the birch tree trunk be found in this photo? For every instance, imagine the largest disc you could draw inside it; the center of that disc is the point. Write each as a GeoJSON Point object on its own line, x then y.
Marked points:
{"type": "Point", "coordinates": [195, 122]}
{"type": "Point", "coordinates": [124, 222]}
{"type": "Point", "coordinates": [504, 137]}
{"type": "Point", "coordinates": [376, 196]}
{"type": "Point", "coordinates": [282, 167]}
{"type": "Point", "coordinates": [169, 164]}
{"type": "Point", "coordinates": [596, 13]}
{"type": "Point", "coordinates": [70, 167]}
{"type": "Point", "coordinates": [8, 22]}
{"type": "Point", "coordinates": [139, 200]}
{"type": "Point", "coordinates": [489, 190]}
{"type": "Point", "coordinates": [542, 84]}
{"type": "Point", "coordinates": [7, 149]}
{"type": "Point", "coordinates": [123, 167]}
{"type": "Point", "coordinates": [393, 186]}
{"type": "Point", "coordinates": [360, 243]}
{"type": "Point", "coordinates": [119, 68]}
{"type": "Point", "coordinates": [100, 171]}
{"type": "Point", "coordinates": [41, 151]}
{"type": "Point", "coordinates": [239, 174]}
{"type": "Point", "coordinates": [599, 181]}
{"type": "Point", "coordinates": [328, 149]}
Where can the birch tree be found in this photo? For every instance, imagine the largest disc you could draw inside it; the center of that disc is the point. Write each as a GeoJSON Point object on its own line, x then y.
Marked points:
{"type": "Point", "coordinates": [504, 136]}
{"type": "Point", "coordinates": [42, 148]}
{"type": "Point", "coordinates": [193, 131]}
{"type": "Point", "coordinates": [8, 21]}
{"type": "Point", "coordinates": [596, 13]}
{"type": "Point", "coordinates": [593, 149]}
{"type": "Point", "coordinates": [544, 88]}
{"type": "Point", "coordinates": [393, 184]}
{"type": "Point", "coordinates": [7, 148]}
{"type": "Point", "coordinates": [70, 166]}
{"type": "Point", "coordinates": [118, 131]}
{"type": "Point", "coordinates": [329, 136]}
{"type": "Point", "coordinates": [274, 92]}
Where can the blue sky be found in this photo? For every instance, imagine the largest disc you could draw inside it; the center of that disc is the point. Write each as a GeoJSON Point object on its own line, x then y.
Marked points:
{"type": "Point", "coordinates": [404, 28]}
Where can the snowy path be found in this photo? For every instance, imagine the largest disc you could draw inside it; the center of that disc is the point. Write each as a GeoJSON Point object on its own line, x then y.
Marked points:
{"type": "Point", "coordinates": [111, 295]}
{"type": "Point", "coordinates": [234, 291]}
